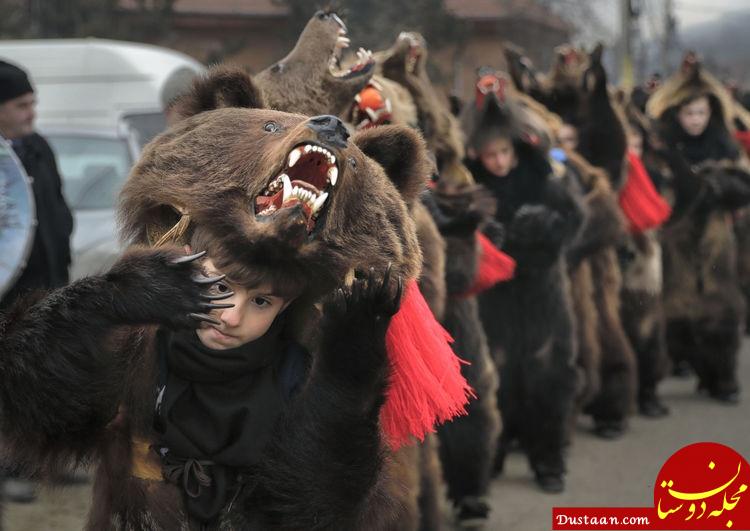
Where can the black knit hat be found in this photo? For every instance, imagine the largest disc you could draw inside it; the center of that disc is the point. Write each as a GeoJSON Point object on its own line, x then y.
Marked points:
{"type": "Point", "coordinates": [13, 82]}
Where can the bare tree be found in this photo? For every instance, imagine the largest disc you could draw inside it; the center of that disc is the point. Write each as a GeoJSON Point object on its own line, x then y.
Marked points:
{"type": "Point", "coordinates": [47, 19]}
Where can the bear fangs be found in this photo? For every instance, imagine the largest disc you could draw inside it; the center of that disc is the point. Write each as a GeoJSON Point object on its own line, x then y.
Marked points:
{"type": "Point", "coordinates": [365, 61]}
{"type": "Point", "coordinates": [309, 169]}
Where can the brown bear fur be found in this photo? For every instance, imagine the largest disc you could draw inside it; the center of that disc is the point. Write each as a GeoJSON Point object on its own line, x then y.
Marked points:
{"type": "Point", "coordinates": [170, 180]}
{"type": "Point", "coordinates": [576, 89]}
{"type": "Point", "coordinates": [405, 63]}
{"type": "Point", "coordinates": [594, 271]}
{"type": "Point", "coordinates": [430, 489]}
{"type": "Point", "coordinates": [702, 301]}
{"type": "Point", "coordinates": [302, 82]}
{"type": "Point", "coordinates": [305, 82]}
{"type": "Point", "coordinates": [207, 170]}
{"type": "Point", "coordinates": [468, 444]}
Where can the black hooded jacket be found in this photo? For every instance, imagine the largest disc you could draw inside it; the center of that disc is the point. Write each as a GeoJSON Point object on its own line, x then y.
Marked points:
{"type": "Point", "coordinates": [538, 211]}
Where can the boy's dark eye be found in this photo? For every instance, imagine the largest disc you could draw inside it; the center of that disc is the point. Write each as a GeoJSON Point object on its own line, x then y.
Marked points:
{"type": "Point", "coordinates": [271, 127]}
{"type": "Point", "coordinates": [221, 288]}
{"type": "Point", "coordinates": [322, 15]}
{"type": "Point", "coordinates": [260, 301]}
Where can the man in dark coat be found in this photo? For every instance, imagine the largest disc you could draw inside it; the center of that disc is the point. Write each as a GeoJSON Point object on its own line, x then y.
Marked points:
{"type": "Point", "coordinates": [47, 266]}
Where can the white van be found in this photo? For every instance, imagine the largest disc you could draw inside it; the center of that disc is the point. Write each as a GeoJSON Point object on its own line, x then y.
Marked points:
{"type": "Point", "coordinates": [99, 102]}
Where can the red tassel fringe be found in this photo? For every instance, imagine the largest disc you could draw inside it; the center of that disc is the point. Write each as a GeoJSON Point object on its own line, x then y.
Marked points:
{"type": "Point", "coordinates": [494, 266]}
{"type": "Point", "coordinates": [743, 137]}
{"type": "Point", "coordinates": [639, 200]}
{"type": "Point", "coordinates": [426, 385]}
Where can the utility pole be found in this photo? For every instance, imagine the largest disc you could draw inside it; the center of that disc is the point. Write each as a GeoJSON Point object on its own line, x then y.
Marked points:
{"type": "Point", "coordinates": [626, 43]}
{"type": "Point", "coordinates": [667, 40]}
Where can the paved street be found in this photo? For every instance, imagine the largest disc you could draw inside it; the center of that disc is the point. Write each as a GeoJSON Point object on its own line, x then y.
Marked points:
{"type": "Point", "coordinates": [602, 473]}
{"type": "Point", "coordinates": [622, 472]}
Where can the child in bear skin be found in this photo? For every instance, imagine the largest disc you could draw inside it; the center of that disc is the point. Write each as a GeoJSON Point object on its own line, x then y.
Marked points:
{"type": "Point", "coordinates": [212, 388]}
{"type": "Point", "coordinates": [528, 319]}
{"type": "Point", "coordinates": [223, 385]}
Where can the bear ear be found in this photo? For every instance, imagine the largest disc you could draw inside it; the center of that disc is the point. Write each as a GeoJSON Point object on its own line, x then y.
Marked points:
{"type": "Point", "coordinates": [221, 86]}
{"type": "Point", "coordinates": [402, 153]}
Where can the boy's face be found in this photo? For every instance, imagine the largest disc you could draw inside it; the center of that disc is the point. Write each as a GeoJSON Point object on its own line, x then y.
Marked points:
{"type": "Point", "coordinates": [694, 116]}
{"type": "Point", "coordinates": [567, 137]}
{"type": "Point", "coordinates": [498, 157]}
{"type": "Point", "coordinates": [254, 311]}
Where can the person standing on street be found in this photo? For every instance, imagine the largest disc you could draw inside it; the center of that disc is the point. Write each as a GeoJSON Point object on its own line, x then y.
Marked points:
{"type": "Point", "coordinates": [48, 262]}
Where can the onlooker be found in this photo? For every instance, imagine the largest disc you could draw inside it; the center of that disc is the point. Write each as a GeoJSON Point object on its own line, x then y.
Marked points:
{"type": "Point", "coordinates": [48, 262]}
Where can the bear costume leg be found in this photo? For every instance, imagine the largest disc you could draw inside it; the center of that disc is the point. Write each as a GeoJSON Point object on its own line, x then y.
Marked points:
{"type": "Point", "coordinates": [545, 439]}
{"type": "Point", "coordinates": [615, 401]}
{"type": "Point", "coordinates": [468, 443]}
{"type": "Point", "coordinates": [643, 317]}
{"type": "Point", "coordinates": [715, 356]}
{"type": "Point", "coordinates": [532, 327]}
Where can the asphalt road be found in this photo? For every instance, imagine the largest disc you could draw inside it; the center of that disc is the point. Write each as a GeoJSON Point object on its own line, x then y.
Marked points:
{"type": "Point", "coordinates": [601, 473]}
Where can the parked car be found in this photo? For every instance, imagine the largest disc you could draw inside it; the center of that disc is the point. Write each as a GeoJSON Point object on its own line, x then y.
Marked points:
{"type": "Point", "coordinates": [99, 103]}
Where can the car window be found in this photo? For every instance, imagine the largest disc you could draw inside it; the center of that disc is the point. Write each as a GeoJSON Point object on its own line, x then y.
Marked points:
{"type": "Point", "coordinates": [93, 169]}
{"type": "Point", "coordinates": [145, 126]}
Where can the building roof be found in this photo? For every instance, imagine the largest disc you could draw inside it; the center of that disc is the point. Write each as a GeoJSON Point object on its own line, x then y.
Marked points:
{"type": "Point", "coordinates": [489, 10]}
{"type": "Point", "coordinates": [248, 8]}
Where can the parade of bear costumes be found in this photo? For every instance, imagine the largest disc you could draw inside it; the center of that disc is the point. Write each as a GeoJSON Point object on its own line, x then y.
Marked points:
{"type": "Point", "coordinates": [703, 304]}
{"type": "Point", "coordinates": [103, 367]}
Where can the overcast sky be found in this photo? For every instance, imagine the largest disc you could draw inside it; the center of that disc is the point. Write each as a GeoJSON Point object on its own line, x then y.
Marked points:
{"type": "Point", "coordinates": [690, 12]}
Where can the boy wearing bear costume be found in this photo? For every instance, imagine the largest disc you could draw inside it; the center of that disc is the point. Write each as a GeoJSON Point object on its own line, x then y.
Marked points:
{"type": "Point", "coordinates": [93, 348]}
{"type": "Point", "coordinates": [707, 180]}
{"type": "Point", "coordinates": [528, 320]}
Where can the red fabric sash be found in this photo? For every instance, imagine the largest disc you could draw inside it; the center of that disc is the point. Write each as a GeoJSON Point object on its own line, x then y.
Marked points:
{"type": "Point", "coordinates": [640, 202]}
{"type": "Point", "coordinates": [494, 266]}
{"type": "Point", "coordinates": [743, 137]}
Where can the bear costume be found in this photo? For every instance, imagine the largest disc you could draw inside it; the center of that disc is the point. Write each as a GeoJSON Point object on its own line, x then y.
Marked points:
{"type": "Point", "coordinates": [457, 205]}
{"type": "Point", "coordinates": [310, 80]}
{"type": "Point", "coordinates": [467, 444]}
{"type": "Point", "coordinates": [576, 89]}
{"type": "Point", "coordinates": [706, 181]}
{"type": "Point", "coordinates": [528, 320]}
{"type": "Point", "coordinates": [92, 348]}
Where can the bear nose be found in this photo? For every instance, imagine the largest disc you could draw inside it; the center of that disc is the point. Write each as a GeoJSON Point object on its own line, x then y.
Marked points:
{"type": "Point", "coordinates": [329, 129]}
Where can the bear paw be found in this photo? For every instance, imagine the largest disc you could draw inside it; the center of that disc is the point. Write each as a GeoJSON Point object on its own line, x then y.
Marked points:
{"type": "Point", "coordinates": [165, 287]}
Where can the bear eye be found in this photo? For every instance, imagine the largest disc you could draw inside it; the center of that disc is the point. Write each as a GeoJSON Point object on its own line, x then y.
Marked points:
{"type": "Point", "coordinates": [271, 127]}
{"type": "Point", "coordinates": [352, 162]}
{"type": "Point", "coordinates": [322, 15]}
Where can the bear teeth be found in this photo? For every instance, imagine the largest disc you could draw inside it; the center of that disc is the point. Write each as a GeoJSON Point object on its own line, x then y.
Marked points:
{"type": "Point", "coordinates": [333, 175]}
{"type": "Point", "coordinates": [294, 156]}
{"type": "Point", "coordinates": [287, 186]}
{"type": "Point", "coordinates": [311, 199]}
